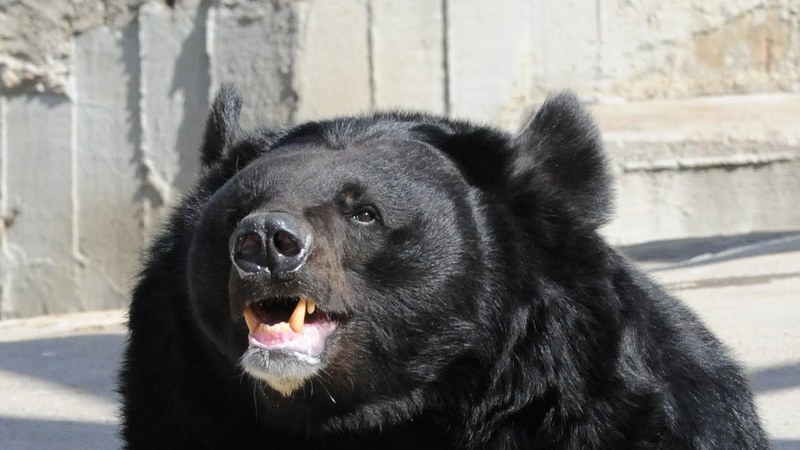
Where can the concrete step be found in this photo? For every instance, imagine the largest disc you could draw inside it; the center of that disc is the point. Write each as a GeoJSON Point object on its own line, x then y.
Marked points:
{"type": "Point", "coordinates": [703, 167]}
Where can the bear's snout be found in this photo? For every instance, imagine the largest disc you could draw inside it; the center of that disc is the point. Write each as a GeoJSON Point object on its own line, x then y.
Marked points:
{"type": "Point", "coordinates": [273, 242]}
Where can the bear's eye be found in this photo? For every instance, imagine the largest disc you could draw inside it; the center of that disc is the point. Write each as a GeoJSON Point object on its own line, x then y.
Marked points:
{"type": "Point", "coordinates": [364, 215]}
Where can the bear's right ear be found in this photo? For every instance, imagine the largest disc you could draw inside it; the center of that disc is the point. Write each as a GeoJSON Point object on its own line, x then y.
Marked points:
{"type": "Point", "coordinates": [222, 125]}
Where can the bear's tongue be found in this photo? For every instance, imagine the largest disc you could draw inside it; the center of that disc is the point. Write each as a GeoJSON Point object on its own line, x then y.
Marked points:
{"type": "Point", "coordinates": [295, 334]}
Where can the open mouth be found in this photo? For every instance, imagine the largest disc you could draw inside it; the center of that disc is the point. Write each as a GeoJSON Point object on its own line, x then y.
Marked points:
{"type": "Point", "coordinates": [293, 325]}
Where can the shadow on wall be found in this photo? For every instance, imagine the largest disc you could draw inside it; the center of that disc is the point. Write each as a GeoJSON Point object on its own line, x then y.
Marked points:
{"type": "Point", "coordinates": [189, 79]}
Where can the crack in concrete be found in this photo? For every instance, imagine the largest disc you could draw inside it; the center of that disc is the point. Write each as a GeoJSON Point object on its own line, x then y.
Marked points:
{"type": "Point", "coordinates": [446, 58]}
{"type": "Point", "coordinates": [5, 276]}
{"type": "Point", "coordinates": [710, 162]}
{"type": "Point", "coordinates": [370, 55]}
{"type": "Point", "coordinates": [75, 199]}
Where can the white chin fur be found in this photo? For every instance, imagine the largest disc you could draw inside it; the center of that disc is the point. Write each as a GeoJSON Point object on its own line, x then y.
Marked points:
{"type": "Point", "coordinates": [284, 373]}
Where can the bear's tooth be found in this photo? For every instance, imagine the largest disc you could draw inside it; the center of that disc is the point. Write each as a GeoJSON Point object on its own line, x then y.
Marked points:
{"type": "Point", "coordinates": [251, 320]}
{"type": "Point", "coordinates": [298, 317]}
{"type": "Point", "coordinates": [311, 306]}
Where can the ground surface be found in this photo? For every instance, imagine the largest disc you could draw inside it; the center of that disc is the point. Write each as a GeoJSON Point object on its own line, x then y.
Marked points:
{"type": "Point", "coordinates": [57, 372]}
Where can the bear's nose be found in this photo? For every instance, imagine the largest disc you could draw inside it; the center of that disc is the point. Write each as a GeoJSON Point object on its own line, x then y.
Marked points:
{"type": "Point", "coordinates": [275, 242]}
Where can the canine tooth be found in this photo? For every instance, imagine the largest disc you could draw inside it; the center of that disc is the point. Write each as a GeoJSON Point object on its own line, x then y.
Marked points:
{"type": "Point", "coordinates": [311, 306]}
{"type": "Point", "coordinates": [298, 316]}
{"type": "Point", "coordinates": [250, 318]}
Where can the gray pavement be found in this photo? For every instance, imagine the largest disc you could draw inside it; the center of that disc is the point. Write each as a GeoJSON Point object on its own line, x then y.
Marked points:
{"type": "Point", "coordinates": [57, 381]}
{"type": "Point", "coordinates": [57, 372]}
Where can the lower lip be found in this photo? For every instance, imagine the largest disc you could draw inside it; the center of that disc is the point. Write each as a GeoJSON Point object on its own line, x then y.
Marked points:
{"type": "Point", "coordinates": [309, 342]}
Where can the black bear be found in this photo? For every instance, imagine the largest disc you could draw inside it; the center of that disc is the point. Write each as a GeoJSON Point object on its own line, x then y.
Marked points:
{"type": "Point", "coordinates": [402, 280]}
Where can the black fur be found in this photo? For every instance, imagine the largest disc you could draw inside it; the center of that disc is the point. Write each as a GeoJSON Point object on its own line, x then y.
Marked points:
{"type": "Point", "coordinates": [222, 124]}
{"type": "Point", "coordinates": [479, 310]}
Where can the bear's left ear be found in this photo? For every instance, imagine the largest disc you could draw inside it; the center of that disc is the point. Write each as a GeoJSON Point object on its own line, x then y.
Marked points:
{"type": "Point", "coordinates": [222, 124]}
{"type": "Point", "coordinates": [560, 154]}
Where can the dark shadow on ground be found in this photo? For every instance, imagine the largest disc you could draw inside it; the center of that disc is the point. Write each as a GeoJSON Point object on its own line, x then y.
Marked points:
{"type": "Point", "coordinates": [700, 251]}
{"type": "Point", "coordinates": [30, 434]}
{"type": "Point", "coordinates": [88, 363]}
{"type": "Point", "coordinates": [775, 378]}
{"type": "Point", "coordinates": [786, 444]}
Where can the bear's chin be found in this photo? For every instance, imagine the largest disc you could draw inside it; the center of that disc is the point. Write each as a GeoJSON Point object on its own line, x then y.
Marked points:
{"type": "Point", "coordinates": [283, 370]}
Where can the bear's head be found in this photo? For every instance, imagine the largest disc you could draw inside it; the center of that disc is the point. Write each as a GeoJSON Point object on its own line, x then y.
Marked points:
{"type": "Point", "coordinates": [379, 260]}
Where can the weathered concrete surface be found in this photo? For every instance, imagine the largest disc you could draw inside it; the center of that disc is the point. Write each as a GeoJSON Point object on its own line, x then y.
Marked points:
{"type": "Point", "coordinates": [634, 49]}
{"type": "Point", "coordinates": [489, 61]}
{"type": "Point", "coordinates": [408, 63]}
{"type": "Point", "coordinates": [106, 214]}
{"type": "Point", "coordinates": [643, 49]}
{"type": "Point", "coordinates": [252, 45]}
{"type": "Point", "coordinates": [57, 373]}
{"type": "Point", "coordinates": [331, 59]}
{"type": "Point", "coordinates": [117, 92]}
{"type": "Point", "coordinates": [699, 47]}
{"type": "Point", "coordinates": [6, 215]}
{"type": "Point", "coordinates": [35, 39]}
{"type": "Point", "coordinates": [702, 167]}
{"type": "Point", "coordinates": [173, 93]}
{"type": "Point", "coordinates": [312, 60]}
{"type": "Point", "coordinates": [38, 198]}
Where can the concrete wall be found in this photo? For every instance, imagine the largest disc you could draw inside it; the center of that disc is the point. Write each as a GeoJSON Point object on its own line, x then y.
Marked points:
{"type": "Point", "coordinates": [102, 105]}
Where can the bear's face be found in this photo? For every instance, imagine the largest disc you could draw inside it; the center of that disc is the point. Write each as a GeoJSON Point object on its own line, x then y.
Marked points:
{"type": "Point", "coordinates": [365, 267]}
{"type": "Point", "coordinates": [338, 265]}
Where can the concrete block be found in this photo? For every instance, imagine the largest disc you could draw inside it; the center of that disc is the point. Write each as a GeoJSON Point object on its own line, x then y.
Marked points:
{"type": "Point", "coordinates": [106, 165]}
{"type": "Point", "coordinates": [252, 45]}
{"type": "Point", "coordinates": [408, 55]}
{"type": "Point", "coordinates": [331, 75]}
{"type": "Point", "coordinates": [703, 167]}
{"type": "Point", "coordinates": [39, 195]}
{"type": "Point", "coordinates": [493, 56]}
{"type": "Point", "coordinates": [174, 91]}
